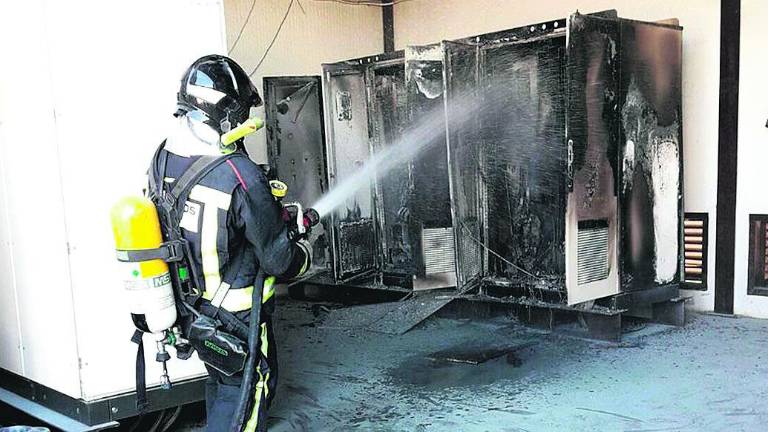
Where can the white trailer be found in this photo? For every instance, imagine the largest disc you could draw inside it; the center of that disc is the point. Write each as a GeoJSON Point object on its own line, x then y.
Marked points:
{"type": "Point", "coordinates": [87, 90]}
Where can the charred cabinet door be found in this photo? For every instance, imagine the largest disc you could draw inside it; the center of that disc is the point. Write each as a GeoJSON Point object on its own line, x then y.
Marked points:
{"type": "Point", "coordinates": [429, 213]}
{"type": "Point", "coordinates": [352, 217]}
{"type": "Point", "coordinates": [464, 158]}
{"type": "Point", "coordinates": [592, 126]}
{"type": "Point", "coordinates": [650, 196]}
{"type": "Point", "coordinates": [295, 144]}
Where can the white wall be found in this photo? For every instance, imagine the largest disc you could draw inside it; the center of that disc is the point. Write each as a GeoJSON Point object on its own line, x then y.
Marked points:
{"type": "Point", "coordinates": [315, 32]}
{"type": "Point", "coordinates": [10, 338]}
{"type": "Point", "coordinates": [38, 334]}
{"type": "Point", "coordinates": [425, 21]}
{"type": "Point", "coordinates": [753, 146]}
{"type": "Point", "coordinates": [114, 104]}
{"type": "Point", "coordinates": [88, 91]}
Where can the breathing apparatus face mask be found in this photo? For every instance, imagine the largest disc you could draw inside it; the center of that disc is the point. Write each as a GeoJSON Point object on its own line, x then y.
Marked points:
{"type": "Point", "coordinates": [195, 122]}
{"type": "Point", "coordinates": [198, 124]}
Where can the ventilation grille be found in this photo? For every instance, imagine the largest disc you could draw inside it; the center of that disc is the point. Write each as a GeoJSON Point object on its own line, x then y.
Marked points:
{"type": "Point", "coordinates": [592, 251]}
{"type": "Point", "coordinates": [764, 247]}
{"type": "Point", "coordinates": [695, 240]}
{"type": "Point", "coordinates": [757, 282]}
{"type": "Point", "coordinates": [438, 247]}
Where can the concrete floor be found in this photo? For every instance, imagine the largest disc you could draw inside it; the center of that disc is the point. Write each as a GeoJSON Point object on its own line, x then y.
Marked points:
{"type": "Point", "coordinates": [708, 376]}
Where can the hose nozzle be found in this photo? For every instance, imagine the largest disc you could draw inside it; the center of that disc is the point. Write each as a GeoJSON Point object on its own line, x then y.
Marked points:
{"type": "Point", "coordinates": [300, 220]}
{"type": "Point", "coordinates": [311, 217]}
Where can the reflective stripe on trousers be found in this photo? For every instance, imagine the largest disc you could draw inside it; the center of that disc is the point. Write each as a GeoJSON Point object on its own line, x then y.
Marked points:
{"type": "Point", "coordinates": [261, 394]}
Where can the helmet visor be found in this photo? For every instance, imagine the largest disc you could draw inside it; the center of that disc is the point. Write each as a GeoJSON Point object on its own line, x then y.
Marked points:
{"type": "Point", "coordinates": [219, 88]}
{"type": "Point", "coordinates": [223, 83]}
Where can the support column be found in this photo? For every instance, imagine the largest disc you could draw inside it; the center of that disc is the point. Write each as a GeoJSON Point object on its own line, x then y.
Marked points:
{"type": "Point", "coordinates": [727, 153]}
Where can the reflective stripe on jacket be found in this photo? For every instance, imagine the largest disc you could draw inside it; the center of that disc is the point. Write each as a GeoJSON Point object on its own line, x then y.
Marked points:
{"type": "Point", "coordinates": [234, 228]}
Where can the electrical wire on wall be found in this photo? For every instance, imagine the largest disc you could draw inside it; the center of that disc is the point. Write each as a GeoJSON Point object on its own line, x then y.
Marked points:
{"type": "Point", "coordinates": [288, 11]}
{"type": "Point", "coordinates": [274, 38]}
{"type": "Point", "coordinates": [277, 33]}
{"type": "Point", "coordinates": [364, 2]}
{"type": "Point", "coordinates": [242, 28]}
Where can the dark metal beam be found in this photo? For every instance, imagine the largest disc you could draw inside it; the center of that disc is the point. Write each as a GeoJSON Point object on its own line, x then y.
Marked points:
{"type": "Point", "coordinates": [49, 416]}
{"type": "Point", "coordinates": [730, 26]}
{"type": "Point", "coordinates": [388, 24]}
{"type": "Point", "coordinates": [56, 407]}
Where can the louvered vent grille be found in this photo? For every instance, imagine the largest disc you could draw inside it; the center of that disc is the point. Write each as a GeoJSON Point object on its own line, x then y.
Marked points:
{"type": "Point", "coordinates": [438, 247]}
{"type": "Point", "coordinates": [757, 279]}
{"type": "Point", "coordinates": [592, 251]}
{"type": "Point", "coordinates": [695, 240]}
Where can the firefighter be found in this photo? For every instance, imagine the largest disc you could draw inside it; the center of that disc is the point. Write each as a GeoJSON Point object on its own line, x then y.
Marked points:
{"type": "Point", "coordinates": [232, 223]}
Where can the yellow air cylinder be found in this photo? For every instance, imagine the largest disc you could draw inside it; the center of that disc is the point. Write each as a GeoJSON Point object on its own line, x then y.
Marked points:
{"type": "Point", "coordinates": [136, 226]}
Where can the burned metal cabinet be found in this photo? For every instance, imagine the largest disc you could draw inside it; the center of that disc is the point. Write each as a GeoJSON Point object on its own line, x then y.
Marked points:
{"type": "Point", "coordinates": [295, 146]}
{"type": "Point", "coordinates": [377, 107]}
{"type": "Point", "coordinates": [566, 170]}
{"type": "Point", "coordinates": [624, 136]}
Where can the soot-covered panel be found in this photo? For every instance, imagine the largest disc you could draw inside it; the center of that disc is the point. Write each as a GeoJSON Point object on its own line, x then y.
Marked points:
{"type": "Point", "coordinates": [593, 127]}
{"type": "Point", "coordinates": [464, 153]}
{"type": "Point", "coordinates": [523, 135]}
{"type": "Point", "coordinates": [651, 154]}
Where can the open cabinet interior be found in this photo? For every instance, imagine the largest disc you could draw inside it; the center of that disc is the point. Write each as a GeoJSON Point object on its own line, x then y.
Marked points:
{"type": "Point", "coordinates": [387, 120]}
{"type": "Point", "coordinates": [295, 146]}
{"type": "Point", "coordinates": [374, 105]}
{"type": "Point", "coordinates": [508, 161]}
{"type": "Point", "coordinates": [429, 209]}
{"type": "Point", "coordinates": [523, 131]}
{"type": "Point", "coordinates": [650, 155]}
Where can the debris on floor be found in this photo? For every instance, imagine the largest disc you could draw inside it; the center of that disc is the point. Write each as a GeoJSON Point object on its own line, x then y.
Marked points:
{"type": "Point", "coordinates": [477, 354]}
{"type": "Point", "coordinates": [395, 318]}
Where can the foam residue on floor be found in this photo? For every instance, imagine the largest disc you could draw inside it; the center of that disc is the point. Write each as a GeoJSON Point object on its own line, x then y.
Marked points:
{"type": "Point", "coordinates": [707, 376]}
